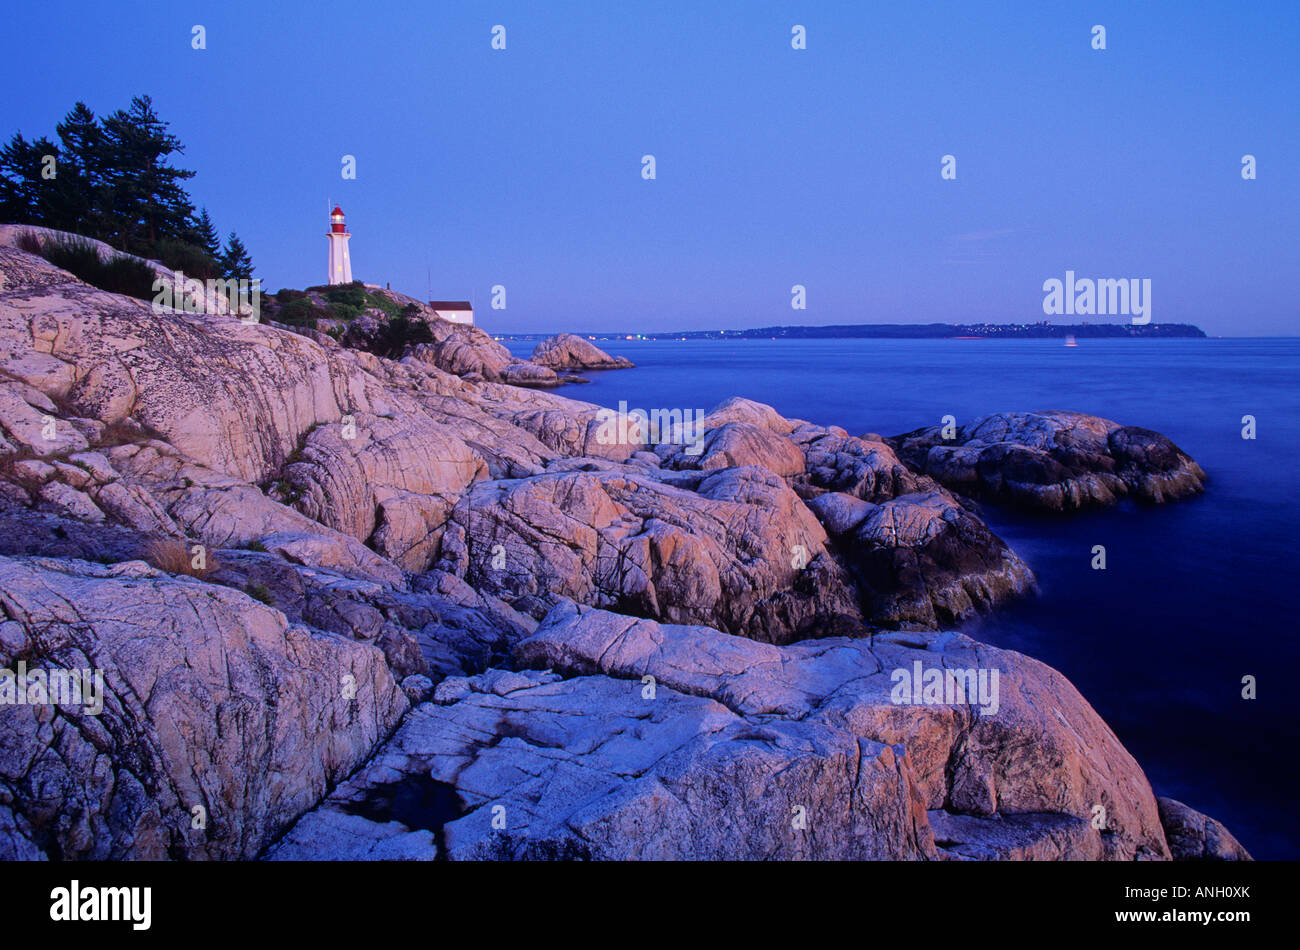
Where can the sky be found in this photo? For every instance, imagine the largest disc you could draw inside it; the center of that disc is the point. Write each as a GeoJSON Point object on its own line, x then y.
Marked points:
{"type": "Point", "coordinates": [522, 168]}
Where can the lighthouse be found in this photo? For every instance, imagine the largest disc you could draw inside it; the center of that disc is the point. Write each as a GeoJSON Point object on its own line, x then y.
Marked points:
{"type": "Point", "coordinates": [340, 261]}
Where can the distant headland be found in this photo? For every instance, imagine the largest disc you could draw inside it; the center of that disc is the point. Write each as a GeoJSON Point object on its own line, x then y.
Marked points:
{"type": "Point", "coordinates": [913, 331]}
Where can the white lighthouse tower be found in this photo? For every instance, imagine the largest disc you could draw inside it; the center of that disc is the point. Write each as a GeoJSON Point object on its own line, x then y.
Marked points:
{"type": "Point", "coordinates": [340, 261]}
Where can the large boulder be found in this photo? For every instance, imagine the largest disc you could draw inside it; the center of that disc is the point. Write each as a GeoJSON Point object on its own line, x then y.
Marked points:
{"type": "Point", "coordinates": [825, 458]}
{"type": "Point", "coordinates": [464, 351]}
{"type": "Point", "coordinates": [920, 558]}
{"type": "Point", "coordinates": [220, 722]}
{"type": "Point", "coordinates": [624, 739]}
{"type": "Point", "coordinates": [1053, 461]}
{"type": "Point", "coordinates": [740, 409]}
{"type": "Point", "coordinates": [387, 481]}
{"type": "Point", "coordinates": [523, 373]}
{"type": "Point", "coordinates": [733, 445]}
{"type": "Point", "coordinates": [1196, 837]}
{"type": "Point", "coordinates": [741, 552]}
{"type": "Point", "coordinates": [923, 560]}
{"type": "Point", "coordinates": [567, 351]}
{"type": "Point", "coordinates": [568, 427]}
{"type": "Point", "coordinates": [221, 512]}
{"type": "Point", "coordinates": [866, 469]}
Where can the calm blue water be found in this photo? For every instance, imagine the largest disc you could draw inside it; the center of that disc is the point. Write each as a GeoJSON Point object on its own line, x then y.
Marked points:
{"type": "Point", "coordinates": [1196, 594]}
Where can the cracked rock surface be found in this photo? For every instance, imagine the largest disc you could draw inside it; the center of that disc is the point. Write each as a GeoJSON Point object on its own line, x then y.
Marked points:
{"type": "Point", "coordinates": [574, 757]}
{"type": "Point", "coordinates": [210, 700]}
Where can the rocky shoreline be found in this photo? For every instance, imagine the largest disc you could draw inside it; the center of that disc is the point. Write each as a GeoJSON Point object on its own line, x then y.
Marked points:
{"type": "Point", "coordinates": [346, 606]}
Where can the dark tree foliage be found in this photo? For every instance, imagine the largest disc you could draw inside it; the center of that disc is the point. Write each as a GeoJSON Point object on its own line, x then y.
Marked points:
{"type": "Point", "coordinates": [113, 179]}
{"type": "Point", "coordinates": [80, 181]}
{"type": "Point", "coordinates": [208, 237]}
{"type": "Point", "coordinates": [402, 331]}
{"type": "Point", "coordinates": [234, 262]}
{"type": "Point", "coordinates": [149, 199]}
{"type": "Point", "coordinates": [26, 190]}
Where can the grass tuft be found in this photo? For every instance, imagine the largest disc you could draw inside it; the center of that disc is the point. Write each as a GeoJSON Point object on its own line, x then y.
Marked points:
{"type": "Point", "coordinates": [175, 556]}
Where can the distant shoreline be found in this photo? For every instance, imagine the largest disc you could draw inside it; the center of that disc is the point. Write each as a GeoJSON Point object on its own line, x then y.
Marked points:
{"type": "Point", "coordinates": [919, 331]}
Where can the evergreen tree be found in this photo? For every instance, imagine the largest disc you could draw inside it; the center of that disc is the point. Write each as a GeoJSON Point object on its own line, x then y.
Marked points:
{"type": "Point", "coordinates": [113, 179]}
{"type": "Point", "coordinates": [207, 235]}
{"type": "Point", "coordinates": [17, 182]}
{"type": "Point", "coordinates": [27, 196]}
{"type": "Point", "coordinates": [148, 199]}
{"type": "Point", "coordinates": [234, 263]}
{"type": "Point", "coordinates": [81, 172]}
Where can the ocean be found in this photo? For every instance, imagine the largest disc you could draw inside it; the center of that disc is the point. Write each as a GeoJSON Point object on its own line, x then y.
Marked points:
{"type": "Point", "coordinates": [1191, 599]}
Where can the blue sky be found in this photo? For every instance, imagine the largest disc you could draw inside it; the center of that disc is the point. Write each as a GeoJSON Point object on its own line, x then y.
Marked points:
{"type": "Point", "coordinates": [776, 167]}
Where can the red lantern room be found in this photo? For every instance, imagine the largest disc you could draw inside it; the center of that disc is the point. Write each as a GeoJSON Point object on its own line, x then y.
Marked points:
{"type": "Point", "coordinates": [336, 220]}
